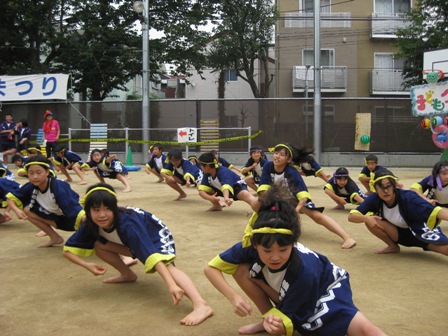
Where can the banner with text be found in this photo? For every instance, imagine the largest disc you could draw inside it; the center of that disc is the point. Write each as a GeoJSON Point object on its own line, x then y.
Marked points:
{"type": "Point", "coordinates": [33, 87]}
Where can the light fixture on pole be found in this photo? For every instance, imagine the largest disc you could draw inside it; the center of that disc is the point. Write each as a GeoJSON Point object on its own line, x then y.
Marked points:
{"type": "Point", "coordinates": [141, 8]}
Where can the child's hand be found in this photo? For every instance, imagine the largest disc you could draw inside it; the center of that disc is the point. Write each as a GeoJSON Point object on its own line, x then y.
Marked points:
{"type": "Point", "coordinates": [188, 184]}
{"type": "Point", "coordinates": [241, 306]}
{"type": "Point", "coordinates": [371, 222]}
{"type": "Point", "coordinates": [274, 325]}
{"type": "Point", "coordinates": [21, 215]}
{"type": "Point", "coordinates": [228, 201]}
{"type": "Point", "coordinates": [7, 216]}
{"type": "Point", "coordinates": [96, 269]}
{"type": "Point", "coordinates": [342, 200]}
{"type": "Point", "coordinates": [176, 293]}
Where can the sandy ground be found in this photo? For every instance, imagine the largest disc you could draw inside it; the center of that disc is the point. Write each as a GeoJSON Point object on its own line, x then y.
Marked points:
{"type": "Point", "coordinates": [42, 293]}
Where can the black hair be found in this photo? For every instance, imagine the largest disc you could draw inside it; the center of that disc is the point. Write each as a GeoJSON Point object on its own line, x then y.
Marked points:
{"type": "Point", "coordinates": [299, 155]}
{"type": "Point", "coordinates": [104, 152]}
{"type": "Point", "coordinates": [24, 122]}
{"type": "Point", "coordinates": [16, 157]}
{"type": "Point", "coordinates": [98, 198]}
{"type": "Point", "coordinates": [209, 158]}
{"type": "Point", "coordinates": [215, 153]}
{"type": "Point", "coordinates": [157, 145]}
{"type": "Point", "coordinates": [60, 148]}
{"type": "Point", "coordinates": [435, 179]}
{"type": "Point", "coordinates": [96, 150]}
{"type": "Point", "coordinates": [385, 172]}
{"type": "Point", "coordinates": [39, 160]}
{"type": "Point", "coordinates": [277, 210]}
{"type": "Point", "coordinates": [372, 157]}
{"type": "Point", "coordinates": [341, 171]}
{"type": "Point", "coordinates": [175, 154]}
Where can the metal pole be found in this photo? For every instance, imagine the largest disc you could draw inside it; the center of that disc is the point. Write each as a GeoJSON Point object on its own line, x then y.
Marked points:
{"type": "Point", "coordinates": [145, 78]}
{"type": "Point", "coordinates": [308, 66]}
{"type": "Point", "coordinates": [317, 97]}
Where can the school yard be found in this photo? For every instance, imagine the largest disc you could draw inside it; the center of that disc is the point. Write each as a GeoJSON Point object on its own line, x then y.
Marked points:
{"type": "Point", "coordinates": [42, 293]}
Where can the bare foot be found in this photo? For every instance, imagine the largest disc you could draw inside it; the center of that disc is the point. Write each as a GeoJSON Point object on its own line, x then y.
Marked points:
{"type": "Point", "coordinates": [216, 207]}
{"type": "Point", "coordinates": [128, 261]}
{"type": "Point", "coordinates": [130, 277]}
{"type": "Point", "coordinates": [252, 328]}
{"type": "Point", "coordinates": [52, 242]}
{"type": "Point", "coordinates": [160, 180]}
{"type": "Point", "coordinates": [198, 315]}
{"type": "Point", "coordinates": [69, 180]}
{"type": "Point", "coordinates": [349, 243]}
{"type": "Point", "coordinates": [388, 249]}
{"type": "Point", "coordinates": [338, 207]}
{"type": "Point", "coordinates": [41, 234]}
{"type": "Point", "coordinates": [126, 190]}
{"type": "Point", "coordinates": [183, 195]}
{"type": "Point", "coordinates": [82, 183]}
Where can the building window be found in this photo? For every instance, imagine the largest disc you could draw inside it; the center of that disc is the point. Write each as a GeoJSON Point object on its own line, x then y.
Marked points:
{"type": "Point", "coordinates": [326, 57]}
{"type": "Point", "coordinates": [387, 61]}
{"type": "Point", "coordinates": [307, 6]}
{"type": "Point", "coordinates": [230, 75]}
{"type": "Point", "coordinates": [392, 6]}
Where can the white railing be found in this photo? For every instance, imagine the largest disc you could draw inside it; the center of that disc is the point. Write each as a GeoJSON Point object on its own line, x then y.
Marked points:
{"type": "Point", "coordinates": [386, 25]}
{"type": "Point", "coordinates": [333, 79]}
{"type": "Point", "coordinates": [387, 81]}
{"type": "Point", "coordinates": [327, 20]}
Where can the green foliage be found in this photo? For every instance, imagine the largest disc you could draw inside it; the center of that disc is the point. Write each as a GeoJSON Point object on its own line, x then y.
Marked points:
{"type": "Point", "coordinates": [243, 38]}
{"type": "Point", "coordinates": [428, 30]}
{"type": "Point", "coordinates": [97, 42]}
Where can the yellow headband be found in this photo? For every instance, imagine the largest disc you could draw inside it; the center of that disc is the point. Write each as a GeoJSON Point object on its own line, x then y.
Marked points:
{"type": "Point", "coordinates": [272, 149]}
{"type": "Point", "coordinates": [267, 230]}
{"type": "Point", "coordinates": [83, 200]}
{"type": "Point", "coordinates": [34, 149]}
{"type": "Point", "coordinates": [43, 164]}
{"type": "Point", "coordinates": [373, 182]}
{"type": "Point", "coordinates": [214, 162]}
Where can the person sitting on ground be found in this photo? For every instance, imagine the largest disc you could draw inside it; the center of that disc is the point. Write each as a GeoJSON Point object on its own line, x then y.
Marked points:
{"type": "Point", "coordinates": [67, 160]}
{"type": "Point", "coordinates": [343, 190]}
{"type": "Point", "coordinates": [219, 181]}
{"type": "Point", "coordinates": [281, 171]}
{"type": "Point", "coordinates": [254, 167]}
{"type": "Point", "coordinates": [434, 188]}
{"type": "Point", "coordinates": [110, 230]}
{"type": "Point", "coordinates": [180, 171]}
{"type": "Point", "coordinates": [46, 201]}
{"type": "Point", "coordinates": [294, 288]}
{"type": "Point", "coordinates": [156, 162]}
{"type": "Point", "coordinates": [30, 152]}
{"type": "Point", "coordinates": [107, 166]}
{"type": "Point", "coordinates": [6, 186]}
{"type": "Point", "coordinates": [401, 217]}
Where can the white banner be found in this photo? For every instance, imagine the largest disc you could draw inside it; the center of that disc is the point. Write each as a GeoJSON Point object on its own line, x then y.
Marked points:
{"type": "Point", "coordinates": [429, 99]}
{"type": "Point", "coordinates": [33, 87]}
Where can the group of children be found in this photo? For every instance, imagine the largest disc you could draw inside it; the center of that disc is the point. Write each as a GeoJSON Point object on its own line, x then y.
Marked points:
{"type": "Point", "coordinates": [294, 288]}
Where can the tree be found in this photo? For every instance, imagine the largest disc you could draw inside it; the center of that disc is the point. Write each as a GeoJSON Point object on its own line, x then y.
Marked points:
{"type": "Point", "coordinates": [428, 30]}
{"type": "Point", "coordinates": [97, 41]}
{"type": "Point", "coordinates": [242, 39]}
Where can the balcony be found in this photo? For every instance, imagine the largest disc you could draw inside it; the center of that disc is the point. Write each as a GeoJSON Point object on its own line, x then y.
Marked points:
{"type": "Point", "coordinates": [332, 78]}
{"type": "Point", "coordinates": [386, 25]}
{"type": "Point", "coordinates": [387, 82]}
{"type": "Point", "coordinates": [327, 20]}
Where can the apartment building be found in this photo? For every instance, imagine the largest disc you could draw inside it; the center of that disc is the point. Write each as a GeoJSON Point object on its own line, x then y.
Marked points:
{"type": "Point", "coordinates": [357, 48]}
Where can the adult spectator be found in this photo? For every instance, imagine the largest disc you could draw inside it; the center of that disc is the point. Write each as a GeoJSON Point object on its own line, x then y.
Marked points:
{"type": "Point", "coordinates": [51, 132]}
{"type": "Point", "coordinates": [7, 143]}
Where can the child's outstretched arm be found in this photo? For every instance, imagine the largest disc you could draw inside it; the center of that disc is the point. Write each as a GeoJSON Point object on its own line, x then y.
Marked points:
{"type": "Point", "coordinates": [13, 206]}
{"type": "Point", "coordinates": [93, 268]}
{"type": "Point", "coordinates": [176, 292]}
{"type": "Point", "coordinates": [241, 306]}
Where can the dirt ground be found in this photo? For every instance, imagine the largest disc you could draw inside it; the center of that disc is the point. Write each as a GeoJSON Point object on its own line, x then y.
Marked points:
{"type": "Point", "coordinates": [42, 293]}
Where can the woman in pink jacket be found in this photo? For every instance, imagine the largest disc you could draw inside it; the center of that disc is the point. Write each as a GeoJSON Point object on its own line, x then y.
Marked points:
{"type": "Point", "coordinates": [51, 132]}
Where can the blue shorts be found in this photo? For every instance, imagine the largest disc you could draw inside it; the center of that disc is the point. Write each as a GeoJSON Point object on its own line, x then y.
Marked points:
{"type": "Point", "coordinates": [62, 222]}
{"type": "Point", "coordinates": [236, 190]}
{"type": "Point", "coordinates": [406, 238]}
{"type": "Point", "coordinates": [332, 316]}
